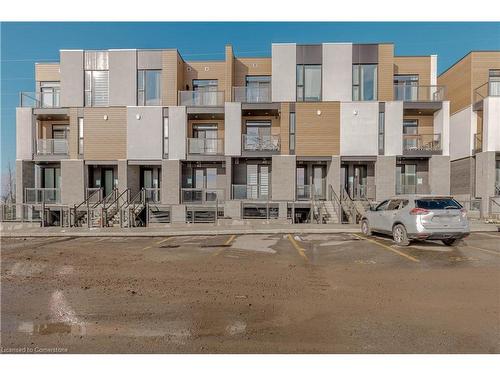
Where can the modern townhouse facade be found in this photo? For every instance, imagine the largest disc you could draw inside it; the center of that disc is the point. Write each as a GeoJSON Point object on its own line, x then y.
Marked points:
{"type": "Point", "coordinates": [473, 89]}
{"type": "Point", "coordinates": [312, 133]}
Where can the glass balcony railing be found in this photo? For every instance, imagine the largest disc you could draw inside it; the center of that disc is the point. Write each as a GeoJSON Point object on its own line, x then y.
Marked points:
{"type": "Point", "coordinates": [201, 98]}
{"type": "Point", "coordinates": [205, 146]}
{"type": "Point", "coordinates": [51, 146]}
{"type": "Point", "coordinates": [307, 192]}
{"type": "Point", "coordinates": [152, 195]}
{"type": "Point", "coordinates": [201, 195]}
{"type": "Point", "coordinates": [252, 94]}
{"type": "Point", "coordinates": [251, 192]}
{"type": "Point", "coordinates": [416, 93]}
{"type": "Point", "coordinates": [414, 143]}
{"type": "Point", "coordinates": [42, 195]}
{"type": "Point", "coordinates": [40, 99]}
{"type": "Point", "coordinates": [491, 88]}
{"type": "Point", "coordinates": [261, 143]}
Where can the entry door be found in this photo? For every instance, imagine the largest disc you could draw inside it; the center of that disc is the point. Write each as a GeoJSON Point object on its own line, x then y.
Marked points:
{"type": "Point", "coordinates": [301, 183]}
{"type": "Point", "coordinates": [108, 181]}
{"type": "Point", "coordinates": [319, 181]}
{"type": "Point", "coordinates": [60, 133]}
{"type": "Point", "coordinates": [257, 181]}
{"type": "Point", "coordinates": [359, 186]}
{"type": "Point", "coordinates": [207, 138]}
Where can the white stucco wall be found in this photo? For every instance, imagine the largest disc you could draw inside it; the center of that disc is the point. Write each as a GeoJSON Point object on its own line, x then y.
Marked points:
{"type": "Point", "coordinates": [491, 124]}
{"type": "Point", "coordinates": [144, 134]}
{"type": "Point", "coordinates": [283, 79]}
{"type": "Point", "coordinates": [393, 128]}
{"type": "Point", "coordinates": [232, 129]}
{"type": "Point", "coordinates": [462, 130]}
{"type": "Point", "coordinates": [177, 131]}
{"type": "Point", "coordinates": [337, 72]}
{"type": "Point", "coordinates": [359, 128]}
{"type": "Point", "coordinates": [24, 134]}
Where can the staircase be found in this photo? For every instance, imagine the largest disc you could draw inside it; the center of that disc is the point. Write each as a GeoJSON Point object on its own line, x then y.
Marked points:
{"type": "Point", "coordinates": [325, 212]}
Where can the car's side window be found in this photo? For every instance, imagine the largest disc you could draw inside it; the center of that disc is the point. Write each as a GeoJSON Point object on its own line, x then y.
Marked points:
{"type": "Point", "coordinates": [394, 204]}
{"type": "Point", "coordinates": [404, 203]}
{"type": "Point", "coordinates": [382, 206]}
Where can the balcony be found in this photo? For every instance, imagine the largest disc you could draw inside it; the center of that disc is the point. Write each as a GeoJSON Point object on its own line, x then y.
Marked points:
{"type": "Point", "coordinates": [261, 143]}
{"type": "Point", "coordinates": [201, 98]}
{"type": "Point", "coordinates": [49, 147]}
{"type": "Point", "coordinates": [42, 195]}
{"type": "Point", "coordinates": [252, 94]}
{"type": "Point", "coordinates": [491, 88]}
{"type": "Point", "coordinates": [422, 144]}
{"type": "Point", "coordinates": [201, 195]}
{"type": "Point", "coordinates": [205, 146]}
{"type": "Point", "coordinates": [40, 99]}
{"type": "Point", "coordinates": [251, 192]}
{"type": "Point", "coordinates": [152, 195]}
{"type": "Point", "coordinates": [419, 93]}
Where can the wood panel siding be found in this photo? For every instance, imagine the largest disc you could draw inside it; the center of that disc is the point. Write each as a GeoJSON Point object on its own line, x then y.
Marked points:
{"type": "Point", "coordinates": [171, 76]}
{"type": "Point", "coordinates": [47, 72]}
{"type": "Point", "coordinates": [425, 123]}
{"type": "Point", "coordinates": [45, 128]}
{"type": "Point", "coordinates": [250, 67]}
{"type": "Point", "coordinates": [228, 87]}
{"type": "Point", "coordinates": [105, 139]}
{"type": "Point", "coordinates": [457, 80]}
{"type": "Point", "coordinates": [285, 128]}
{"type": "Point", "coordinates": [219, 123]}
{"type": "Point", "coordinates": [317, 135]}
{"type": "Point", "coordinates": [205, 70]}
{"type": "Point", "coordinates": [482, 62]}
{"type": "Point", "coordinates": [385, 72]}
{"type": "Point", "coordinates": [420, 65]}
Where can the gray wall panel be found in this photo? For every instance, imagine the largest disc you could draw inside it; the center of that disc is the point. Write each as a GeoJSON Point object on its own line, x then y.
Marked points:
{"type": "Point", "coordinates": [284, 57]}
{"type": "Point", "coordinates": [122, 77]}
{"type": "Point", "coordinates": [337, 72]}
{"type": "Point", "coordinates": [177, 123]}
{"type": "Point", "coordinates": [71, 78]}
{"type": "Point", "coordinates": [144, 134]}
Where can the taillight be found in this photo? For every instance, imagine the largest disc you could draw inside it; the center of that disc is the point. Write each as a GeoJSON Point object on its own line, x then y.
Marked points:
{"type": "Point", "coordinates": [419, 211]}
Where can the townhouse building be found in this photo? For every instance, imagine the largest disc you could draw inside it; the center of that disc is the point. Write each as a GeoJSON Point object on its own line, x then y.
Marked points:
{"type": "Point", "coordinates": [473, 89]}
{"type": "Point", "coordinates": [312, 133]}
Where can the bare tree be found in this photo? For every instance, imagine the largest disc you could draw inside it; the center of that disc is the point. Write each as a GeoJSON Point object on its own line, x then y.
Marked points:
{"type": "Point", "coordinates": [9, 185]}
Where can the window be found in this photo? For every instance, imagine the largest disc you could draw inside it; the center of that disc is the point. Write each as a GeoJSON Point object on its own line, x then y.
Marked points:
{"type": "Point", "coordinates": [149, 87]}
{"type": "Point", "coordinates": [364, 82]}
{"type": "Point", "coordinates": [410, 134]}
{"type": "Point", "coordinates": [96, 88]}
{"type": "Point", "coordinates": [406, 179]}
{"type": "Point", "coordinates": [205, 85]}
{"type": "Point", "coordinates": [258, 137]}
{"type": "Point", "coordinates": [494, 82]}
{"type": "Point", "coordinates": [165, 137]}
{"type": "Point", "coordinates": [49, 94]}
{"type": "Point", "coordinates": [308, 83]}
{"type": "Point", "coordinates": [382, 206]}
{"type": "Point", "coordinates": [406, 87]}
{"type": "Point", "coordinates": [80, 135]}
{"type": "Point", "coordinates": [497, 178]}
{"type": "Point", "coordinates": [258, 89]}
{"type": "Point", "coordinates": [381, 133]}
{"type": "Point", "coordinates": [438, 204]}
{"type": "Point", "coordinates": [292, 125]}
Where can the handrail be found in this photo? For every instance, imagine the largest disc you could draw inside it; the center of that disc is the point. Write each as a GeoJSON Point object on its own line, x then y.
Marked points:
{"type": "Point", "coordinates": [106, 198]}
{"type": "Point", "coordinates": [334, 198]}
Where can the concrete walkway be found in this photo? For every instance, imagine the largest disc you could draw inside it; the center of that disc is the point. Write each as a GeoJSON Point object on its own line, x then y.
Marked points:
{"type": "Point", "coordinates": [24, 230]}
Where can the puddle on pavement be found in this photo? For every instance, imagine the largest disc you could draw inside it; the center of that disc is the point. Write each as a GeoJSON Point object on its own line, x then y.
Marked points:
{"type": "Point", "coordinates": [258, 243]}
{"type": "Point", "coordinates": [27, 268]}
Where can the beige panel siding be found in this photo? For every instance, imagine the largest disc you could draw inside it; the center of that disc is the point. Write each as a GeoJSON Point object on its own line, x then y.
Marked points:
{"type": "Point", "coordinates": [425, 123]}
{"type": "Point", "coordinates": [105, 139]}
{"type": "Point", "coordinates": [385, 72]}
{"type": "Point", "coordinates": [457, 82]}
{"type": "Point", "coordinates": [205, 70]}
{"type": "Point", "coordinates": [420, 65]}
{"type": "Point", "coordinates": [171, 63]}
{"type": "Point", "coordinates": [229, 73]}
{"type": "Point", "coordinates": [47, 72]}
{"type": "Point", "coordinates": [250, 67]}
{"type": "Point", "coordinates": [482, 62]}
{"type": "Point", "coordinates": [317, 135]}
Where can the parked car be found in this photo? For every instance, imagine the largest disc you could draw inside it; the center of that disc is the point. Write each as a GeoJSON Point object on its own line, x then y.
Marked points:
{"type": "Point", "coordinates": [419, 217]}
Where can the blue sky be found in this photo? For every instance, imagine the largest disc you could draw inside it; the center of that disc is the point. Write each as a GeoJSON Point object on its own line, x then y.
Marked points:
{"type": "Point", "coordinates": [22, 44]}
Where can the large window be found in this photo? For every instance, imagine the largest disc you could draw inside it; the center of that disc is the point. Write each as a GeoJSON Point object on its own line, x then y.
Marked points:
{"type": "Point", "coordinates": [205, 85]}
{"type": "Point", "coordinates": [410, 134]}
{"type": "Point", "coordinates": [364, 82]}
{"type": "Point", "coordinates": [406, 87]}
{"type": "Point", "coordinates": [494, 85]}
{"type": "Point", "coordinates": [96, 88]}
{"type": "Point", "coordinates": [149, 87]}
{"type": "Point", "coordinates": [308, 83]}
{"type": "Point", "coordinates": [292, 125]}
{"type": "Point", "coordinates": [258, 89]}
{"type": "Point", "coordinates": [406, 179]}
{"type": "Point", "coordinates": [49, 94]}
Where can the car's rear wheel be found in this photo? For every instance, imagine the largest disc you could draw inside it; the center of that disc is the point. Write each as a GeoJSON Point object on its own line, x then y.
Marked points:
{"type": "Point", "coordinates": [400, 236]}
{"type": "Point", "coordinates": [365, 228]}
{"type": "Point", "coordinates": [450, 241]}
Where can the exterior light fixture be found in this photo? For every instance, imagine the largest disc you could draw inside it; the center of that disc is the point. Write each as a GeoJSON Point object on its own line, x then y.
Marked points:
{"type": "Point", "coordinates": [138, 116]}
{"type": "Point", "coordinates": [355, 112]}
{"type": "Point", "coordinates": [105, 117]}
{"type": "Point", "coordinates": [318, 112]}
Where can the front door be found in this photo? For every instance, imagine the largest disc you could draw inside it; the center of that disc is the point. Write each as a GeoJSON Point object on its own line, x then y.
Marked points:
{"type": "Point", "coordinates": [206, 136]}
{"type": "Point", "coordinates": [359, 181]}
{"type": "Point", "coordinates": [319, 172]}
{"type": "Point", "coordinates": [107, 181]}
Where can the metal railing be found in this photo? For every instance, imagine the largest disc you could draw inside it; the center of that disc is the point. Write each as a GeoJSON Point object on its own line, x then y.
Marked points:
{"type": "Point", "coordinates": [491, 88]}
{"type": "Point", "coordinates": [422, 142]}
{"type": "Point", "coordinates": [205, 146]}
{"type": "Point", "coordinates": [152, 195]}
{"type": "Point", "coordinates": [478, 143]}
{"type": "Point", "coordinates": [201, 98]}
{"type": "Point", "coordinates": [20, 212]}
{"type": "Point", "coordinates": [308, 192]}
{"type": "Point", "coordinates": [201, 195]}
{"type": "Point", "coordinates": [252, 94]}
{"type": "Point", "coordinates": [93, 195]}
{"type": "Point", "coordinates": [416, 93]}
{"type": "Point", "coordinates": [264, 143]}
{"type": "Point", "coordinates": [251, 192]}
{"type": "Point", "coordinates": [42, 195]}
{"type": "Point", "coordinates": [40, 99]}
{"type": "Point", "coordinates": [51, 146]}
{"type": "Point", "coordinates": [494, 206]}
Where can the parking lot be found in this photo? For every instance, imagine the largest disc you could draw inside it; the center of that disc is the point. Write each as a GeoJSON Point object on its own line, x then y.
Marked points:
{"type": "Point", "coordinates": [314, 293]}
